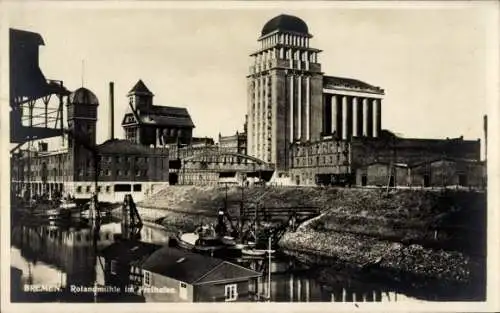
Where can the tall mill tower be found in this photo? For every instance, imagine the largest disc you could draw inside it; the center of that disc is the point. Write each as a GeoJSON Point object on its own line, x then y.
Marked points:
{"type": "Point", "coordinates": [285, 89]}
{"type": "Point", "coordinates": [82, 119]}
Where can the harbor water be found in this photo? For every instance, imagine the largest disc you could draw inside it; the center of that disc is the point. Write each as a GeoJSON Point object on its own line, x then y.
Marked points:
{"type": "Point", "coordinates": [62, 257]}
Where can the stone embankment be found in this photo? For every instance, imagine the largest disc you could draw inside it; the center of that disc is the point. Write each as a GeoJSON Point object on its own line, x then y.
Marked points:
{"type": "Point", "coordinates": [416, 235]}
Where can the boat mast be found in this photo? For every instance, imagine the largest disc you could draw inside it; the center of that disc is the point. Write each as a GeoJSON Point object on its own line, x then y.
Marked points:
{"type": "Point", "coordinates": [269, 270]}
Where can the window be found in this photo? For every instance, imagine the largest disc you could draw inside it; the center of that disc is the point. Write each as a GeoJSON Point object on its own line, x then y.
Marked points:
{"type": "Point", "coordinates": [79, 189]}
{"type": "Point", "coordinates": [122, 187]}
{"type": "Point", "coordinates": [182, 291]}
{"type": "Point", "coordinates": [231, 293]}
{"type": "Point", "coordinates": [108, 189]}
{"type": "Point", "coordinates": [147, 278]}
{"type": "Point", "coordinates": [88, 189]}
{"type": "Point", "coordinates": [137, 187]}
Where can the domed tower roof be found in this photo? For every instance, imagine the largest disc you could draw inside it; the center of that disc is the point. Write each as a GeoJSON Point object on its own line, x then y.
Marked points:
{"type": "Point", "coordinates": [83, 96]}
{"type": "Point", "coordinates": [285, 23]}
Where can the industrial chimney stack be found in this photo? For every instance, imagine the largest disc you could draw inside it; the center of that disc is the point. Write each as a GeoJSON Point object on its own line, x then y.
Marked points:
{"type": "Point", "coordinates": [112, 110]}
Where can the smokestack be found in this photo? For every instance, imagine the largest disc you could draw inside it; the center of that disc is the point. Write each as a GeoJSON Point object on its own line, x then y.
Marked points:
{"type": "Point", "coordinates": [485, 126]}
{"type": "Point", "coordinates": [112, 110]}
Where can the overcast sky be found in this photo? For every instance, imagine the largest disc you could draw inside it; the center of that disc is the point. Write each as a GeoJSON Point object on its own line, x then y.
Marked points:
{"type": "Point", "coordinates": [432, 63]}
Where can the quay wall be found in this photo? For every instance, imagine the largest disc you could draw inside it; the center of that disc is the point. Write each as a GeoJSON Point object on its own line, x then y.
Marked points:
{"type": "Point", "coordinates": [438, 234]}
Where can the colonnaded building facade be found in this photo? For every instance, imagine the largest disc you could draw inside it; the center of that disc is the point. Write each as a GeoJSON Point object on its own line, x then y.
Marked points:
{"type": "Point", "coordinates": [316, 128]}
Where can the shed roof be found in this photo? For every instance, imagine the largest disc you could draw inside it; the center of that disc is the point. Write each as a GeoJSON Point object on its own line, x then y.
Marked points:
{"type": "Point", "coordinates": [194, 268]}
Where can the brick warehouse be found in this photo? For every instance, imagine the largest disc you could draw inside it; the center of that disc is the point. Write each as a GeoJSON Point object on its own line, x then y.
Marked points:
{"type": "Point", "coordinates": [319, 129]}
{"type": "Point", "coordinates": [124, 166]}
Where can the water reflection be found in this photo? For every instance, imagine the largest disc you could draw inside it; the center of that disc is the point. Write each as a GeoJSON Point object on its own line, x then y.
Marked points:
{"type": "Point", "coordinates": [61, 256]}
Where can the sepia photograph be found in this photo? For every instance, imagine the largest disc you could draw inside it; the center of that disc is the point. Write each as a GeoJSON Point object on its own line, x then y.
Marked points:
{"type": "Point", "coordinates": [253, 153]}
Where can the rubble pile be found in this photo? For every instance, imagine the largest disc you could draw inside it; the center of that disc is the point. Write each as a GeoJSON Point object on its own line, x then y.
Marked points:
{"type": "Point", "coordinates": [366, 251]}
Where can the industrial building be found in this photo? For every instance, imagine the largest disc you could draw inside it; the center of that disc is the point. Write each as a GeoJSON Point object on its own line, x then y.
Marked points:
{"type": "Point", "coordinates": [115, 167]}
{"type": "Point", "coordinates": [236, 143]}
{"type": "Point", "coordinates": [319, 129]}
{"type": "Point", "coordinates": [149, 124]}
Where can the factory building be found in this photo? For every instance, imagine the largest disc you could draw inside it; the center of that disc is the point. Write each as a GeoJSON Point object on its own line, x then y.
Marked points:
{"type": "Point", "coordinates": [290, 100]}
{"type": "Point", "coordinates": [236, 143]}
{"type": "Point", "coordinates": [120, 166]}
{"type": "Point", "coordinates": [149, 124]}
{"type": "Point", "coordinates": [321, 129]}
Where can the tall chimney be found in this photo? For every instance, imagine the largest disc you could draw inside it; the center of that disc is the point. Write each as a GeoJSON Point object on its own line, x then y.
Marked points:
{"type": "Point", "coordinates": [111, 110]}
{"type": "Point", "coordinates": [485, 126]}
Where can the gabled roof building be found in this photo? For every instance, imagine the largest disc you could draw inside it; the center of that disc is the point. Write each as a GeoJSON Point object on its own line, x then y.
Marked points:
{"type": "Point", "coordinates": [149, 124]}
{"type": "Point", "coordinates": [192, 277]}
{"type": "Point", "coordinates": [166, 274]}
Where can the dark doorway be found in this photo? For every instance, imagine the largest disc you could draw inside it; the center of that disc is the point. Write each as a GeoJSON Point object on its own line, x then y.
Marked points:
{"type": "Point", "coordinates": [391, 181]}
{"type": "Point", "coordinates": [364, 180]}
{"type": "Point", "coordinates": [297, 180]}
{"type": "Point", "coordinates": [427, 180]}
{"type": "Point", "coordinates": [173, 178]}
{"type": "Point", "coordinates": [462, 180]}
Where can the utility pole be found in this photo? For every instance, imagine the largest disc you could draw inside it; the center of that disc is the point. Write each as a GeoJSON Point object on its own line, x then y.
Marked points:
{"type": "Point", "coordinates": [269, 251]}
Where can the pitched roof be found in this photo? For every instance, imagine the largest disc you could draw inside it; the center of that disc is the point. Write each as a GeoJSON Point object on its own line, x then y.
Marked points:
{"type": "Point", "coordinates": [227, 272]}
{"type": "Point", "coordinates": [140, 89]}
{"type": "Point", "coordinates": [128, 251]}
{"type": "Point", "coordinates": [122, 146]}
{"type": "Point", "coordinates": [387, 163]}
{"type": "Point", "coordinates": [446, 158]}
{"type": "Point", "coordinates": [350, 83]}
{"type": "Point", "coordinates": [193, 268]}
{"type": "Point", "coordinates": [165, 116]}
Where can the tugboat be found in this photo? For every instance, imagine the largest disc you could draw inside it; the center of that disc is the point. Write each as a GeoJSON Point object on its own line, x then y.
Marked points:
{"type": "Point", "coordinates": [67, 208]}
{"type": "Point", "coordinates": [206, 240]}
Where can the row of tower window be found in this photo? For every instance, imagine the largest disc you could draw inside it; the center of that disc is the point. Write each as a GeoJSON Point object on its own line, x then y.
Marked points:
{"type": "Point", "coordinates": [285, 39]}
{"type": "Point", "coordinates": [285, 54]}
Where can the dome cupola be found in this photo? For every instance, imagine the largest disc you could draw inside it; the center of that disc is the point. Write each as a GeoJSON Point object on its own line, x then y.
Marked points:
{"type": "Point", "coordinates": [83, 96]}
{"type": "Point", "coordinates": [285, 23]}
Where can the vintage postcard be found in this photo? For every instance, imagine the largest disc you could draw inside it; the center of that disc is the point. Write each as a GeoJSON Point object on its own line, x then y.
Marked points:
{"type": "Point", "coordinates": [227, 156]}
